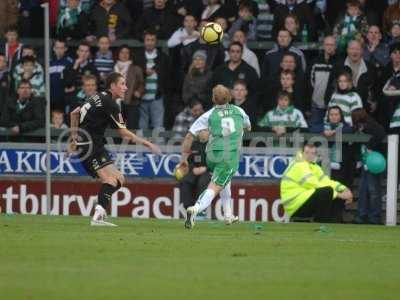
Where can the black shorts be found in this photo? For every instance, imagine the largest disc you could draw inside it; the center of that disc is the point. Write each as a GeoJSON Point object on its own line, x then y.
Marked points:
{"type": "Point", "coordinates": [94, 161]}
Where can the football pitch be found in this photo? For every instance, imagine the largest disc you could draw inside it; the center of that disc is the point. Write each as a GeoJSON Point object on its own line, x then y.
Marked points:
{"type": "Point", "coordinates": [63, 258]}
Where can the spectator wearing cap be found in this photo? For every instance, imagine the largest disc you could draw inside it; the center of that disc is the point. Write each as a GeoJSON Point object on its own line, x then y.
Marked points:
{"type": "Point", "coordinates": [273, 57]}
{"type": "Point", "coordinates": [321, 77]}
{"type": "Point", "coordinates": [248, 56]}
{"type": "Point", "coordinates": [185, 118]}
{"type": "Point", "coordinates": [159, 18]}
{"type": "Point", "coordinates": [363, 74]}
{"type": "Point", "coordinates": [156, 67]}
{"type": "Point", "coordinates": [375, 51]}
{"type": "Point", "coordinates": [72, 22]}
{"type": "Point", "coordinates": [197, 80]}
{"type": "Point", "coordinates": [236, 68]}
{"type": "Point", "coordinates": [303, 13]}
{"type": "Point", "coordinates": [247, 21]}
{"type": "Point", "coordinates": [390, 85]}
{"type": "Point", "coordinates": [24, 112]}
{"type": "Point", "coordinates": [109, 18]}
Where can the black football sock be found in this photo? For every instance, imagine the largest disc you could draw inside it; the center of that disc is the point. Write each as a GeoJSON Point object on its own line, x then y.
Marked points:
{"type": "Point", "coordinates": [105, 194]}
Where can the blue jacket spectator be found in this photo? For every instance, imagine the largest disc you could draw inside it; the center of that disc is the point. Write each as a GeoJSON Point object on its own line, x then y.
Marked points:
{"type": "Point", "coordinates": [375, 51]}
{"type": "Point", "coordinates": [57, 67]}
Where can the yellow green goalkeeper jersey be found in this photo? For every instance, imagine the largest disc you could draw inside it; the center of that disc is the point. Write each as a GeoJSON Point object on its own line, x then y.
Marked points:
{"type": "Point", "coordinates": [225, 124]}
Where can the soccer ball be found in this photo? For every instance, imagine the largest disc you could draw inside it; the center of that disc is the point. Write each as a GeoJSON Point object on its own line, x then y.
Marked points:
{"type": "Point", "coordinates": [212, 33]}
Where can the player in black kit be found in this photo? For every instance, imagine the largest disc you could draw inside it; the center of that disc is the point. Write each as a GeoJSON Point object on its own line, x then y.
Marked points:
{"type": "Point", "coordinates": [88, 125]}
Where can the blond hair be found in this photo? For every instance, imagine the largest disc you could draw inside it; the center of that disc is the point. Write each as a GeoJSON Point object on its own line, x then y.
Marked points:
{"type": "Point", "coordinates": [221, 95]}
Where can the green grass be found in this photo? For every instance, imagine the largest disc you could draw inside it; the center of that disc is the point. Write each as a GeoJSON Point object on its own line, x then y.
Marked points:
{"type": "Point", "coordinates": [64, 258]}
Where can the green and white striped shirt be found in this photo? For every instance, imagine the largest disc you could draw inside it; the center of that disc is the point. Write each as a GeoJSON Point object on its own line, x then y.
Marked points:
{"type": "Point", "coordinates": [151, 81]}
{"type": "Point", "coordinates": [37, 79]}
{"type": "Point", "coordinates": [395, 121]}
{"type": "Point", "coordinates": [347, 102]}
{"type": "Point", "coordinates": [289, 117]}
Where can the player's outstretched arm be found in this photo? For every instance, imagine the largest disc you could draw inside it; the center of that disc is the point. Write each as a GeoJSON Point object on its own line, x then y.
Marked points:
{"type": "Point", "coordinates": [130, 136]}
{"type": "Point", "coordinates": [186, 149]}
{"type": "Point", "coordinates": [74, 118]}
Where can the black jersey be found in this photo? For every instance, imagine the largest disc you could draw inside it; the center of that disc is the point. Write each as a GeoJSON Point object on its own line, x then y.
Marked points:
{"type": "Point", "coordinates": [97, 113]}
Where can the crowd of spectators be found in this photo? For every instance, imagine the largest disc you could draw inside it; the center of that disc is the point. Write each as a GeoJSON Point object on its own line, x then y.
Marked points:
{"type": "Point", "coordinates": [283, 88]}
{"type": "Point", "coordinates": [357, 67]}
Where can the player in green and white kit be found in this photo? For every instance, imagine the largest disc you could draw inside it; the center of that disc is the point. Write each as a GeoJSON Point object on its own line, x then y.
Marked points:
{"type": "Point", "coordinates": [225, 123]}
